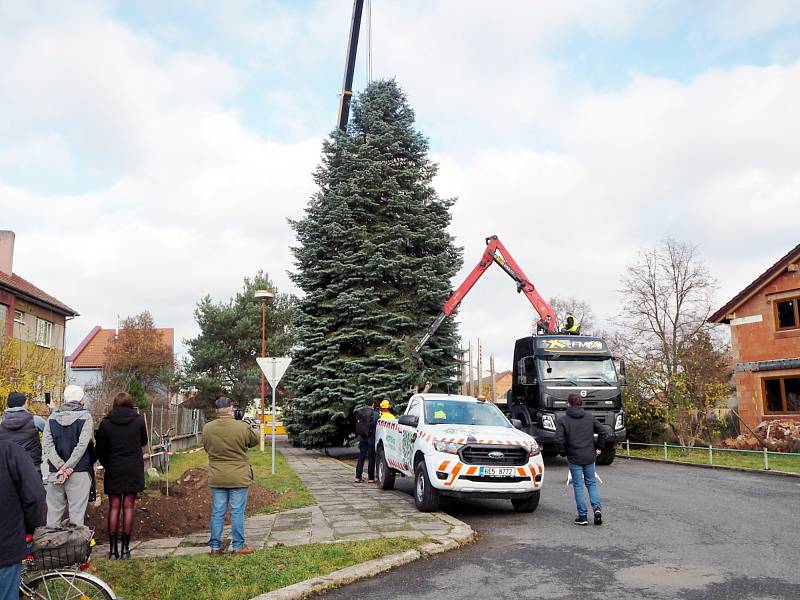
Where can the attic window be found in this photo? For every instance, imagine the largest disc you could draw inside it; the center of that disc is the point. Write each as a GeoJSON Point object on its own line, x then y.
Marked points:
{"type": "Point", "coordinates": [786, 314]}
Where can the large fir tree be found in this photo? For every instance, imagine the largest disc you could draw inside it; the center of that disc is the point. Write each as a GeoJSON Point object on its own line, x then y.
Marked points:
{"type": "Point", "coordinates": [375, 263]}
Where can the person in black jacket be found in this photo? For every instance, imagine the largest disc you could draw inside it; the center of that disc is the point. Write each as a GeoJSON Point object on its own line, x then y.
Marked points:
{"type": "Point", "coordinates": [22, 427]}
{"type": "Point", "coordinates": [22, 498]}
{"type": "Point", "coordinates": [366, 422]}
{"type": "Point", "coordinates": [575, 440]}
{"type": "Point", "coordinates": [120, 438]}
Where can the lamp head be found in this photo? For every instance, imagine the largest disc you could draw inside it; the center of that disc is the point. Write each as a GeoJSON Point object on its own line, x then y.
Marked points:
{"type": "Point", "coordinates": [263, 294]}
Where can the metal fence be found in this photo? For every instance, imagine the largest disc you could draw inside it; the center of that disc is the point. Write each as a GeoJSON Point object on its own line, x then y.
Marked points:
{"type": "Point", "coordinates": [173, 428]}
{"type": "Point", "coordinates": [708, 453]}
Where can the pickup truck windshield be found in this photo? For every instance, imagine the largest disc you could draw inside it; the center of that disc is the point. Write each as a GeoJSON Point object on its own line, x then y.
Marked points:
{"type": "Point", "coordinates": [453, 412]}
{"type": "Point", "coordinates": [570, 371]}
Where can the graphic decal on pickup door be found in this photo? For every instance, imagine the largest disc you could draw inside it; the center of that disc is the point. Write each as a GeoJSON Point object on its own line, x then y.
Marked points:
{"type": "Point", "coordinates": [409, 436]}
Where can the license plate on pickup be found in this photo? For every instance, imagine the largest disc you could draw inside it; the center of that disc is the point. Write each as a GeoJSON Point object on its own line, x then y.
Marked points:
{"type": "Point", "coordinates": [496, 472]}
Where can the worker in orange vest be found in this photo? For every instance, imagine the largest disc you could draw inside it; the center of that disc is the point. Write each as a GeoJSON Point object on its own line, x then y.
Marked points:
{"type": "Point", "coordinates": [385, 412]}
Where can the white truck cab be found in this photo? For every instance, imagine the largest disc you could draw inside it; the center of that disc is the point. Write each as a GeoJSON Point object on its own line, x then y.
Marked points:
{"type": "Point", "coordinates": [459, 446]}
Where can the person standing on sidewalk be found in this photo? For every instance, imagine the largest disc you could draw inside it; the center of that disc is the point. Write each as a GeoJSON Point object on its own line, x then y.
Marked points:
{"type": "Point", "coordinates": [120, 438]}
{"type": "Point", "coordinates": [575, 440]}
{"type": "Point", "coordinates": [366, 422]}
{"type": "Point", "coordinates": [23, 500]}
{"type": "Point", "coordinates": [22, 427]}
{"type": "Point", "coordinates": [67, 436]}
{"type": "Point", "coordinates": [226, 441]}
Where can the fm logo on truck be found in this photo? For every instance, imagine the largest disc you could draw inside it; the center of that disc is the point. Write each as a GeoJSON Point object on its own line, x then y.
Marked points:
{"type": "Point", "coordinates": [562, 344]}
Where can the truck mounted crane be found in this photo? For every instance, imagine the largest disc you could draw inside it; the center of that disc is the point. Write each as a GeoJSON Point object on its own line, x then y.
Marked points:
{"type": "Point", "coordinates": [549, 367]}
{"type": "Point", "coordinates": [350, 65]}
{"type": "Point", "coordinates": [495, 252]}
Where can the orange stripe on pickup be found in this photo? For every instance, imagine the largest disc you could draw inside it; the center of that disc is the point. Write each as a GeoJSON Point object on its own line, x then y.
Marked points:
{"type": "Point", "coordinates": [443, 466]}
{"type": "Point", "coordinates": [454, 474]}
{"type": "Point", "coordinates": [521, 471]}
{"type": "Point", "coordinates": [471, 470]}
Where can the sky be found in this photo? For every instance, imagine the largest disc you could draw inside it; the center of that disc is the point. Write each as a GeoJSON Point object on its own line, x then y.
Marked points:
{"type": "Point", "coordinates": [152, 152]}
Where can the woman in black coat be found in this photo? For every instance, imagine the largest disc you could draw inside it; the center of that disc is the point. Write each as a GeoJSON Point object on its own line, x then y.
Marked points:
{"type": "Point", "coordinates": [120, 438]}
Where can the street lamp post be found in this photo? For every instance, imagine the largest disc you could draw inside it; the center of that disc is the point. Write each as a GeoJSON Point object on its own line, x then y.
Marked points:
{"type": "Point", "coordinates": [263, 296]}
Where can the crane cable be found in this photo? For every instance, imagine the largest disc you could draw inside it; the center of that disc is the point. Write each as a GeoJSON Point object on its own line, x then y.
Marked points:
{"type": "Point", "coordinates": [369, 42]}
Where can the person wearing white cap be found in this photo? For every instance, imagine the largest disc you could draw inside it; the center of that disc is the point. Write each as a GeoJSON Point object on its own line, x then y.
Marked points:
{"type": "Point", "coordinates": [66, 440]}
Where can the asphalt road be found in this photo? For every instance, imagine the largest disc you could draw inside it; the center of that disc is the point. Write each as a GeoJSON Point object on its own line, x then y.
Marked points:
{"type": "Point", "coordinates": [670, 532]}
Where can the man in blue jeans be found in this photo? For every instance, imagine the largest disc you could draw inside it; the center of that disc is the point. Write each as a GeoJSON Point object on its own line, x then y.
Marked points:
{"type": "Point", "coordinates": [575, 440]}
{"type": "Point", "coordinates": [226, 441]}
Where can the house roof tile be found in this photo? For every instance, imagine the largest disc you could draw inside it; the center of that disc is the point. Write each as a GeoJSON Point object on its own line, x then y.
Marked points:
{"type": "Point", "coordinates": [721, 316]}
{"type": "Point", "coordinates": [91, 352]}
{"type": "Point", "coordinates": [17, 284]}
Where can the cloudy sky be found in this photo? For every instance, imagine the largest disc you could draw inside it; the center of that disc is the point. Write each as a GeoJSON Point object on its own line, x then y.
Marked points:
{"type": "Point", "coordinates": [151, 152]}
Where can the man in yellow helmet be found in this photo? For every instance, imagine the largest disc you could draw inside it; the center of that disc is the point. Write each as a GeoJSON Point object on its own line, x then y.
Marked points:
{"type": "Point", "coordinates": [571, 325]}
{"type": "Point", "coordinates": [385, 412]}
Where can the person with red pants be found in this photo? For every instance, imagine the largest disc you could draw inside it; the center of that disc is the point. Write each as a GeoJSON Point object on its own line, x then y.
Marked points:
{"type": "Point", "coordinates": [120, 438]}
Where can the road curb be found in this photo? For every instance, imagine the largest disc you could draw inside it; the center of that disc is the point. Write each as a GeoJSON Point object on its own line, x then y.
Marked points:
{"type": "Point", "coordinates": [717, 467]}
{"type": "Point", "coordinates": [363, 570]}
{"type": "Point", "coordinates": [460, 535]}
{"type": "Point", "coordinates": [367, 569]}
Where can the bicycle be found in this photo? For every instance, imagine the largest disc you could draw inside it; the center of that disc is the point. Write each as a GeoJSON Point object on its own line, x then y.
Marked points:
{"type": "Point", "coordinates": [164, 450]}
{"type": "Point", "coordinates": [58, 574]}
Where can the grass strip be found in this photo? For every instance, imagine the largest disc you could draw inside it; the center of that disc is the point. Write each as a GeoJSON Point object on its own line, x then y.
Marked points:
{"type": "Point", "coordinates": [239, 577]}
{"type": "Point", "coordinates": [786, 464]}
{"type": "Point", "coordinates": [291, 492]}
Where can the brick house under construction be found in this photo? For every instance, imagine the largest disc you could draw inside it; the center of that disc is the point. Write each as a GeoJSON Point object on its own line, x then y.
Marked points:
{"type": "Point", "coordinates": [765, 338]}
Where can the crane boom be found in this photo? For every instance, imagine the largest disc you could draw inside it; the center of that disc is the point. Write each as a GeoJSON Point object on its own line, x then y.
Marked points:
{"type": "Point", "coordinates": [495, 252]}
{"type": "Point", "coordinates": [350, 66]}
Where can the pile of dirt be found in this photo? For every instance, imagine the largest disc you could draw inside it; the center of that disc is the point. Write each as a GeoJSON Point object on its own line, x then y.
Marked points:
{"type": "Point", "coordinates": [186, 510]}
{"type": "Point", "coordinates": [777, 435]}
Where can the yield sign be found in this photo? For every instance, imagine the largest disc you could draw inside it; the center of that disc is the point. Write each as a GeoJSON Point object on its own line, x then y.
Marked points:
{"type": "Point", "coordinates": [273, 368]}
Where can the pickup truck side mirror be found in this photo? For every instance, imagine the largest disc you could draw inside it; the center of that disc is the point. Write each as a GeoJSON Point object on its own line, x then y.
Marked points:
{"type": "Point", "coordinates": [410, 420]}
{"type": "Point", "coordinates": [516, 423]}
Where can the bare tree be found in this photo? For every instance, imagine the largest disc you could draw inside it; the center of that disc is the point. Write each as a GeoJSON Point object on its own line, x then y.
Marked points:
{"type": "Point", "coordinates": [667, 296]}
{"type": "Point", "coordinates": [580, 309]}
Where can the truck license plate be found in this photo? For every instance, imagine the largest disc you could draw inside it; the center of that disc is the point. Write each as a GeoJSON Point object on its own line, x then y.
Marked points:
{"type": "Point", "coordinates": [496, 472]}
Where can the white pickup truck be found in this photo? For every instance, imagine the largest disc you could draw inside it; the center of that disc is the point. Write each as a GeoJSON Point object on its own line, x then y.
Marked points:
{"type": "Point", "coordinates": [459, 446]}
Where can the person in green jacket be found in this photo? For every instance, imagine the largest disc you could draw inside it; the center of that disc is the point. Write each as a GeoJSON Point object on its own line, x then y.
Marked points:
{"type": "Point", "coordinates": [226, 441]}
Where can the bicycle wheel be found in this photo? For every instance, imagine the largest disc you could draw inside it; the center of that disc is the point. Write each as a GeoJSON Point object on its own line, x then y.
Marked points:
{"type": "Point", "coordinates": [67, 585]}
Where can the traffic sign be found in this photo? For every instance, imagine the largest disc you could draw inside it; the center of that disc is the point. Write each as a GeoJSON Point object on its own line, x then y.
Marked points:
{"type": "Point", "coordinates": [273, 368]}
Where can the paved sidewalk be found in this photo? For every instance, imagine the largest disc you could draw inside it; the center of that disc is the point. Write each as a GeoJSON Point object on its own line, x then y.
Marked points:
{"type": "Point", "coordinates": [344, 511]}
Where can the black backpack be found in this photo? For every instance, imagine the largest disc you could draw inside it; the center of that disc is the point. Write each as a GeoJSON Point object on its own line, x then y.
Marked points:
{"type": "Point", "coordinates": [364, 417]}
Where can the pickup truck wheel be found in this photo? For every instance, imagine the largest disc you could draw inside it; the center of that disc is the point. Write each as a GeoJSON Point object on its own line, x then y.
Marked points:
{"type": "Point", "coordinates": [526, 505]}
{"type": "Point", "coordinates": [385, 473]}
{"type": "Point", "coordinates": [607, 456]}
{"type": "Point", "coordinates": [425, 496]}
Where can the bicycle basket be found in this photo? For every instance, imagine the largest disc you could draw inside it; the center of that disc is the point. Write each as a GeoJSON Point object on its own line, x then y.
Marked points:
{"type": "Point", "coordinates": [68, 555]}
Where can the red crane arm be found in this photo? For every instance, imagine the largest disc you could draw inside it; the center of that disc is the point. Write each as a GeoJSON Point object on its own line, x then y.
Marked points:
{"type": "Point", "coordinates": [493, 247]}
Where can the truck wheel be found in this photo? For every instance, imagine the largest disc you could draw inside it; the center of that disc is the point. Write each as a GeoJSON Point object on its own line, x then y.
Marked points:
{"type": "Point", "coordinates": [385, 472]}
{"type": "Point", "coordinates": [525, 505]}
{"type": "Point", "coordinates": [425, 496]}
{"type": "Point", "coordinates": [607, 456]}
